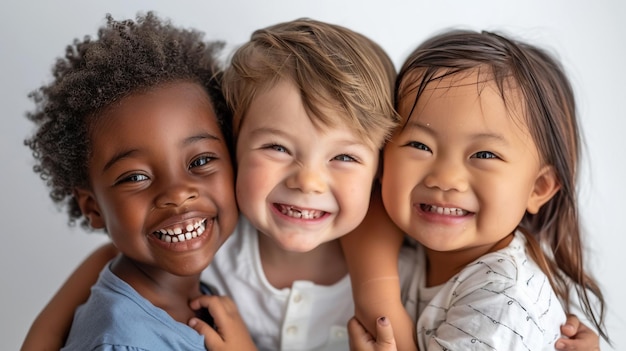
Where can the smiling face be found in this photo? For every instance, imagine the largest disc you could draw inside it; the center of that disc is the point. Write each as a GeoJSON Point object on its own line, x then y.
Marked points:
{"type": "Point", "coordinates": [161, 179]}
{"type": "Point", "coordinates": [462, 172]}
{"type": "Point", "coordinates": [297, 183]}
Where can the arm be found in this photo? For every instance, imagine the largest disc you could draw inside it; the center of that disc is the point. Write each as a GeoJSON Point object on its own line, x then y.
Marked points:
{"type": "Point", "coordinates": [51, 327]}
{"type": "Point", "coordinates": [371, 252]}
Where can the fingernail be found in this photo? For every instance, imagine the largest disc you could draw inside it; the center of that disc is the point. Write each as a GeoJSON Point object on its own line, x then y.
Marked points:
{"type": "Point", "coordinates": [383, 321]}
{"type": "Point", "coordinates": [192, 322]}
{"type": "Point", "coordinates": [559, 345]}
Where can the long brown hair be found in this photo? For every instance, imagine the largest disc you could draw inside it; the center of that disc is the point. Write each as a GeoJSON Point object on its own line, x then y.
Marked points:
{"type": "Point", "coordinates": [554, 233]}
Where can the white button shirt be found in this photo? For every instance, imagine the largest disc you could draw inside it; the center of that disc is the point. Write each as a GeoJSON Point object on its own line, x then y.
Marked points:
{"type": "Point", "coordinates": [305, 317]}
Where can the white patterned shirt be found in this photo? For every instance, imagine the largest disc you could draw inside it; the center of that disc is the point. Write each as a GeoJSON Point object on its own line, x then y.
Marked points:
{"type": "Point", "coordinates": [501, 301]}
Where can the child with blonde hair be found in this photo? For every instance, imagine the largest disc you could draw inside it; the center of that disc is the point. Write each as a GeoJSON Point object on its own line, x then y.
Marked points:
{"type": "Point", "coordinates": [312, 105]}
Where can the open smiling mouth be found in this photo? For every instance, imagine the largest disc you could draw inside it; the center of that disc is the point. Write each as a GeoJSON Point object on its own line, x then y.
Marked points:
{"type": "Point", "coordinates": [181, 233]}
{"type": "Point", "coordinates": [446, 211]}
{"type": "Point", "coordinates": [296, 212]}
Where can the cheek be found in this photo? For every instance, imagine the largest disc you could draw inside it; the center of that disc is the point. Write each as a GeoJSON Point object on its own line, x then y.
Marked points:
{"type": "Point", "coordinates": [505, 199]}
{"type": "Point", "coordinates": [224, 192]}
{"type": "Point", "coordinates": [252, 177]}
{"type": "Point", "coordinates": [398, 182]}
{"type": "Point", "coordinates": [355, 196]}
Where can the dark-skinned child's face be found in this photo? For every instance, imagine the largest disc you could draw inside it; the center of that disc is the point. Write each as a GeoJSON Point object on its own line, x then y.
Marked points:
{"type": "Point", "coordinates": [162, 179]}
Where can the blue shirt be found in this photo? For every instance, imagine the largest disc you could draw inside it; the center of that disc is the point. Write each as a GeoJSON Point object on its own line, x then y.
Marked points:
{"type": "Point", "coordinates": [116, 317]}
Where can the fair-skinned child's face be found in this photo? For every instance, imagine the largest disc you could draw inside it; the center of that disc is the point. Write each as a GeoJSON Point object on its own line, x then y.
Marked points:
{"type": "Point", "coordinates": [463, 171]}
{"type": "Point", "coordinates": [300, 185]}
{"type": "Point", "coordinates": [159, 164]}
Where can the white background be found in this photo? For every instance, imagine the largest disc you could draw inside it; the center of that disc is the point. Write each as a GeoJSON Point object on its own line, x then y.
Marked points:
{"type": "Point", "coordinates": [38, 250]}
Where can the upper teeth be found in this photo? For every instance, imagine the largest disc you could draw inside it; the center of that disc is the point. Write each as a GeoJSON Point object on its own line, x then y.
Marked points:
{"type": "Point", "coordinates": [178, 234]}
{"type": "Point", "coordinates": [448, 211]}
{"type": "Point", "coordinates": [300, 213]}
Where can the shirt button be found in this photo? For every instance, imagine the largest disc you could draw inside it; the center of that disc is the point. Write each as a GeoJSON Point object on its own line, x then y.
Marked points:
{"type": "Point", "coordinates": [292, 329]}
{"type": "Point", "coordinates": [297, 298]}
{"type": "Point", "coordinates": [340, 334]}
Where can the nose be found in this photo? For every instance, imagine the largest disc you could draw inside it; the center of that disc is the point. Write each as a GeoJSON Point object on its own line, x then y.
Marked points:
{"type": "Point", "coordinates": [447, 175]}
{"type": "Point", "coordinates": [307, 179]}
{"type": "Point", "coordinates": [176, 193]}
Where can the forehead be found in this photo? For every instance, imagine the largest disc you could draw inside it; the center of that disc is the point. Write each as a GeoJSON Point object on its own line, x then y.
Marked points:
{"type": "Point", "coordinates": [474, 88]}
{"type": "Point", "coordinates": [466, 105]}
{"type": "Point", "coordinates": [184, 102]}
{"type": "Point", "coordinates": [285, 100]}
{"type": "Point", "coordinates": [173, 110]}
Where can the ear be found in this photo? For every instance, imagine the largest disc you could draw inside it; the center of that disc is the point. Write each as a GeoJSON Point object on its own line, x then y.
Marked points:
{"type": "Point", "coordinates": [546, 185]}
{"type": "Point", "coordinates": [89, 207]}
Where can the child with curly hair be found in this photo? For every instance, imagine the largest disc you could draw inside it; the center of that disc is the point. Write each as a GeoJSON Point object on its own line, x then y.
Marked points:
{"type": "Point", "coordinates": [133, 136]}
{"type": "Point", "coordinates": [312, 105]}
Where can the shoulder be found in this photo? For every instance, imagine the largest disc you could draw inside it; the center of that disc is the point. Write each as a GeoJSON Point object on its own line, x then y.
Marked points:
{"type": "Point", "coordinates": [116, 317]}
{"type": "Point", "coordinates": [506, 266]}
{"type": "Point", "coordinates": [504, 298]}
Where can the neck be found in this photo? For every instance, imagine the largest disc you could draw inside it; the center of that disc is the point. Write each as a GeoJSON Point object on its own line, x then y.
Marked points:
{"type": "Point", "coordinates": [443, 265]}
{"type": "Point", "coordinates": [163, 289]}
{"type": "Point", "coordinates": [324, 265]}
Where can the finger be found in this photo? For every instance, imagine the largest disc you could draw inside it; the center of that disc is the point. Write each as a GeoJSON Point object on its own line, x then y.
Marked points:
{"type": "Point", "coordinates": [583, 337]}
{"type": "Point", "coordinates": [359, 339]}
{"type": "Point", "coordinates": [216, 305]}
{"type": "Point", "coordinates": [574, 345]}
{"type": "Point", "coordinates": [201, 301]}
{"type": "Point", "coordinates": [571, 326]}
{"type": "Point", "coordinates": [211, 338]}
{"type": "Point", "coordinates": [384, 334]}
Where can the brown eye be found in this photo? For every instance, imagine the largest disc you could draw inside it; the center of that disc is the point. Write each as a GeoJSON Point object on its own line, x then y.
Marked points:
{"type": "Point", "coordinates": [484, 155]}
{"type": "Point", "coordinates": [201, 161]}
{"type": "Point", "coordinates": [418, 145]}
{"type": "Point", "coordinates": [133, 178]}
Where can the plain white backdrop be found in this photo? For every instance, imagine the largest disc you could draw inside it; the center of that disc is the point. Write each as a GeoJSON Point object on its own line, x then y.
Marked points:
{"type": "Point", "coordinates": [39, 250]}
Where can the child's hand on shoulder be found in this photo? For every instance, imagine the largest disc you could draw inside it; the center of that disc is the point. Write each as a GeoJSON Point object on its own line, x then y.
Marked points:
{"type": "Point", "coordinates": [361, 340]}
{"type": "Point", "coordinates": [230, 333]}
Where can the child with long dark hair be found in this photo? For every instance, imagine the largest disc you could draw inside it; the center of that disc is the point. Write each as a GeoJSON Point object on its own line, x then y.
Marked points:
{"type": "Point", "coordinates": [482, 174]}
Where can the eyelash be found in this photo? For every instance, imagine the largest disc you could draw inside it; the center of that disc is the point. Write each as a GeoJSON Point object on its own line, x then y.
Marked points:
{"type": "Point", "coordinates": [276, 147]}
{"type": "Point", "coordinates": [343, 158]}
{"type": "Point", "coordinates": [132, 178]}
{"type": "Point", "coordinates": [489, 154]}
{"type": "Point", "coordinates": [419, 146]}
{"type": "Point", "coordinates": [201, 158]}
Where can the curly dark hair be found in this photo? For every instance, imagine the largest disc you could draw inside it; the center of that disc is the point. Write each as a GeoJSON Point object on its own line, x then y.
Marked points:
{"type": "Point", "coordinates": [127, 57]}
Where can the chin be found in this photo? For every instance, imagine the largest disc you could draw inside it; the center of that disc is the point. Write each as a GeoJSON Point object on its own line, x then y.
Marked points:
{"type": "Point", "coordinates": [298, 246]}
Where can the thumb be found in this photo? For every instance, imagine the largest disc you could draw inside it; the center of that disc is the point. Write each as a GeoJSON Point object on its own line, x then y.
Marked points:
{"type": "Point", "coordinates": [384, 334]}
{"type": "Point", "coordinates": [211, 337]}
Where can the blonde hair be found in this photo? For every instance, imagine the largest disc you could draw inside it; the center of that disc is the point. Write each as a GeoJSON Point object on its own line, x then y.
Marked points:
{"type": "Point", "coordinates": [332, 66]}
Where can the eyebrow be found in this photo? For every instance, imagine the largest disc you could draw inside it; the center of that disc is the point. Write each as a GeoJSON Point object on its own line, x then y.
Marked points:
{"type": "Point", "coordinates": [425, 127]}
{"type": "Point", "coordinates": [187, 141]}
{"type": "Point", "coordinates": [270, 130]}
